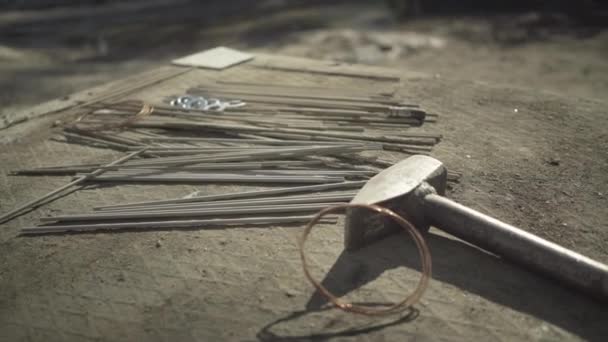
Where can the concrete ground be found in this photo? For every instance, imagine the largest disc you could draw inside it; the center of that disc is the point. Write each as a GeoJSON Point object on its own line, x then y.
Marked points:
{"type": "Point", "coordinates": [523, 100]}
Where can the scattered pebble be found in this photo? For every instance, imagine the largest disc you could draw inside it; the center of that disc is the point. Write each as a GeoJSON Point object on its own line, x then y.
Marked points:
{"type": "Point", "coordinates": [515, 110]}
{"type": "Point", "coordinates": [554, 161]}
{"type": "Point", "coordinates": [120, 277]}
{"type": "Point", "coordinates": [290, 293]}
{"type": "Point", "coordinates": [158, 244]}
{"type": "Point", "coordinates": [57, 123]}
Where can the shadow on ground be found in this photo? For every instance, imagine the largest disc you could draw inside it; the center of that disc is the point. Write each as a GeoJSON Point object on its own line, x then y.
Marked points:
{"type": "Point", "coordinates": [467, 268]}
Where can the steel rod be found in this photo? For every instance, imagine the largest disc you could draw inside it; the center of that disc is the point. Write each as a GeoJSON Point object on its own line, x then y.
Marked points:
{"type": "Point", "coordinates": [246, 194]}
{"type": "Point", "coordinates": [87, 168]}
{"type": "Point", "coordinates": [218, 179]}
{"type": "Point", "coordinates": [244, 141]}
{"type": "Point", "coordinates": [11, 214]}
{"type": "Point", "coordinates": [219, 89]}
{"type": "Point", "coordinates": [344, 197]}
{"type": "Point", "coordinates": [243, 156]}
{"type": "Point", "coordinates": [261, 130]}
{"type": "Point", "coordinates": [190, 213]}
{"type": "Point", "coordinates": [250, 172]}
{"type": "Point", "coordinates": [168, 224]}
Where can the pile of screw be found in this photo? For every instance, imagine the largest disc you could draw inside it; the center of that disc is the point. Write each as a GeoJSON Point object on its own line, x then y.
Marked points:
{"type": "Point", "coordinates": [202, 103]}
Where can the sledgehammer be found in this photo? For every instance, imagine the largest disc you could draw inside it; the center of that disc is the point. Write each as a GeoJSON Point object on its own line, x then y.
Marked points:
{"type": "Point", "coordinates": [413, 189]}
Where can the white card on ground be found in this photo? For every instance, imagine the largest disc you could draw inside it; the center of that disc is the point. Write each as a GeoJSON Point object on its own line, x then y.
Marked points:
{"type": "Point", "coordinates": [216, 58]}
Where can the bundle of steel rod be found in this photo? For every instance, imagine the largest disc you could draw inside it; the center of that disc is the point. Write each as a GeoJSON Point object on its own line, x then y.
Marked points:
{"type": "Point", "coordinates": [284, 205]}
{"type": "Point", "coordinates": [175, 124]}
{"type": "Point", "coordinates": [325, 143]}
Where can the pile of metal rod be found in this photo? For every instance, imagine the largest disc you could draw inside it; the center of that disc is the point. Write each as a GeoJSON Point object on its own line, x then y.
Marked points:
{"type": "Point", "coordinates": [285, 205]}
{"type": "Point", "coordinates": [323, 142]}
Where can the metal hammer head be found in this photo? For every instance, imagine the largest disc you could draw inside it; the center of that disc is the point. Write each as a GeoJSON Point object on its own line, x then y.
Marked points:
{"type": "Point", "coordinates": [398, 188]}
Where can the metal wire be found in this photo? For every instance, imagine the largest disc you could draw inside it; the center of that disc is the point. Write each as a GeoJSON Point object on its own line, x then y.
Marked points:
{"type": "Point", "coordinates": [423, 250]}
{"type": "Point", "coordinates": [146, 109]}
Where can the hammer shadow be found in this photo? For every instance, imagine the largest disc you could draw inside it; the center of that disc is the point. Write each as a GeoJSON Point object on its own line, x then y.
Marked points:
{"type": "Point", "coordinates": [474, 271]}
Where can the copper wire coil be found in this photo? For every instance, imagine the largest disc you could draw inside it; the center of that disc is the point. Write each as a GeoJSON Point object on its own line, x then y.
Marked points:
{"type": "Point", "coordinates": [391, 308]}
{"type": "Point", "coordinates": [146, 109]}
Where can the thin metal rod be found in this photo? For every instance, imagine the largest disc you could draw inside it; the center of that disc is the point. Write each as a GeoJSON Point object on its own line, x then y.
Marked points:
{"type": "Point", "coordinates": [11, 214]}
{"type": "Point", "coordinates": [343, 197]}
{"type": "Point", "coordinates": [70, 137]}
{"type": "Point", "coordinates": [246, 194]}
{"type": "Point", "coordinates": [219, 178]}
{"type": "Point", "coordinates": [309, 88]}
{"type": "Point", "coordinates": [261, 130]}
{"type": "Point", "coordinates": [168, 224]}
{"type": "Point", "coordinates": [222, 89]}
{"type": "Point", "coordinates": [249, 172]}
{"type": "Point", "coordinates": [87, 168]}
{"type": "Point", "coordinates": [247, 141]}
{"type": "Point", "coordinates": [243, 156]}
{"type": "Point", "coordinates": [191, 213]}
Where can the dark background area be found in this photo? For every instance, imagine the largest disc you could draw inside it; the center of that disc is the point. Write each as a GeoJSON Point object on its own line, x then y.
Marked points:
{"type": "Point", "coordinates": [52, 48]}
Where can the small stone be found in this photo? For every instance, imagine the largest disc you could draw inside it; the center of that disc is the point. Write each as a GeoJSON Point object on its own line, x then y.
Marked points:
{"type": "Point", "coordinates": [515, 110]}
{"type": "Point", "coordinates": [223, 242]}
{"type": "Point", "coordinates": [120, 277]}
{"type": "Point", "coordinates": [158, 244]}
{"type": "Point", "coordinates": [554, 161]}
{"type": "Point", "coordinates": [57, 123]}
{"type": "Point", "coordinates": [290, 293]}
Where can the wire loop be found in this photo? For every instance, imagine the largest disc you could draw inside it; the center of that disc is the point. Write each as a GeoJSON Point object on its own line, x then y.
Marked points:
{"type": "Point", "coordinates": [423, 251]}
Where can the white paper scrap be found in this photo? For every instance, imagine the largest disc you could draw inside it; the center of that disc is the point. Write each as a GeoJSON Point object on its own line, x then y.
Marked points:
{"type": "Point", "coordinates": [216, 58]}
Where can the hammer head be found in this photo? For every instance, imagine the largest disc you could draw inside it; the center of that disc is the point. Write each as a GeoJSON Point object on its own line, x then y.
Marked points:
{"type": "Point", "coordinates": [396, 188]}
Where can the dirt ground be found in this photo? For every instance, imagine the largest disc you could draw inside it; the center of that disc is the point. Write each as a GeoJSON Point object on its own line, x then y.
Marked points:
{"type": "Point", "coordinates": [522, 100]}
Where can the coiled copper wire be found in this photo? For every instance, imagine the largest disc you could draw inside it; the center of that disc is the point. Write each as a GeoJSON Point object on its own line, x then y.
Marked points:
{"type": "Point", "coordinates": [423, 251]}
{"type": "Point", "coordinates": [146, 109]}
